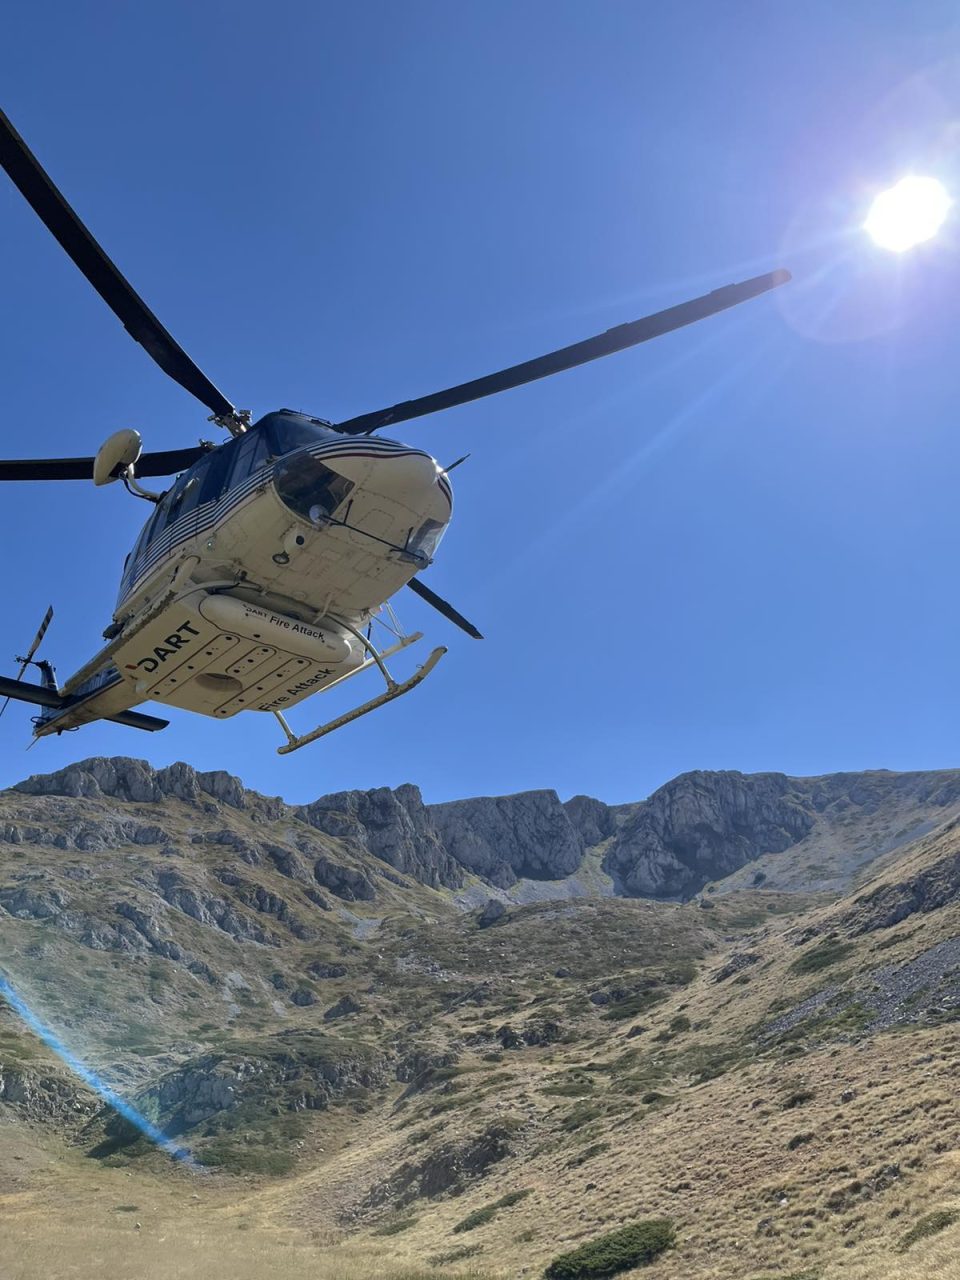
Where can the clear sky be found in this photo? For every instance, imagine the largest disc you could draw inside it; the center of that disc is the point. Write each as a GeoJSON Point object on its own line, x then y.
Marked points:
{"type": "Point", "coordinates": [736, 547]}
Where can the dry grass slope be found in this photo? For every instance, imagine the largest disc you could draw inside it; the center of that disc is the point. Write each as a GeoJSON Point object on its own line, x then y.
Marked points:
{"type": "Point", "coordinates": [774, 1074]}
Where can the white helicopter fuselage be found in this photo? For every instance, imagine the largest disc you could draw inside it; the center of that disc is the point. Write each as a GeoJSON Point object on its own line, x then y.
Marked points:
{"type": "Point", "coordinates": [253, 581]}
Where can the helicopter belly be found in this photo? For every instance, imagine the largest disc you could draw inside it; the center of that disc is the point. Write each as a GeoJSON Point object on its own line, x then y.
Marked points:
{"type": "Point", "coordinates": [218, 655]}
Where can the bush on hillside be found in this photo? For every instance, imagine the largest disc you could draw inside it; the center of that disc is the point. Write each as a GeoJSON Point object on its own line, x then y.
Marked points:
{"type": "Point", "coordinates": [396, 1226]}
{"type": "Point", "coordinates": [480, 1217]}
{"type": "Point", "coordinates": [928, 1226]}
{"type": "Point", "coordinates": [615, 1252]}
{"type": "Point", "coordinates": [798, 1140]}
{"type": "Point", "coordinates": [822, 956]}
{"type": "Point", "coordinates": [798, 1098]}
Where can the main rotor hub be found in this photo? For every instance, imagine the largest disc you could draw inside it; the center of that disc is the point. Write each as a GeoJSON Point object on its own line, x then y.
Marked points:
{"type": "Point", "coordinates": [236, 421]}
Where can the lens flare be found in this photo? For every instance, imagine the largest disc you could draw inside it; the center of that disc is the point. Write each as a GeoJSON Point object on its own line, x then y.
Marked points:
{"type": "Point", "coordinates": [90, 1077]}
{"type": "Point", "coordinates": [907, 214]}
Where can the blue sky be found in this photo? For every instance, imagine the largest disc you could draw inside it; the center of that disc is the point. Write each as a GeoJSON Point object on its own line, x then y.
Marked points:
{"type": "Point", "coordinates": [733, 548]}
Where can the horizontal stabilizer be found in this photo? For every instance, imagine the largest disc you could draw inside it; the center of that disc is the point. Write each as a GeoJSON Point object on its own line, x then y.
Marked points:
{"type": "Point", "coordinates": [23, 691]}
{"type": "Point", "coordinates": [137, 720]}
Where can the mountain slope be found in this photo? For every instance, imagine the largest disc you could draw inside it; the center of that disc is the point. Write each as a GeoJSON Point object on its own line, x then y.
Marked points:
{"type": "Point", "coordinates": [348, 1054]}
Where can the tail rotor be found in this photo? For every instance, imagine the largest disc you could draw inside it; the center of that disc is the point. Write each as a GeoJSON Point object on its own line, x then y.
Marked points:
{"type": "Point", "coordinates": [37, 641]}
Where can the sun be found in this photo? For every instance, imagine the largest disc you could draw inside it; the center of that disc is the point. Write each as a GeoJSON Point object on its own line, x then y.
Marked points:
{"type": "Point", "coordinates": [908, 214]}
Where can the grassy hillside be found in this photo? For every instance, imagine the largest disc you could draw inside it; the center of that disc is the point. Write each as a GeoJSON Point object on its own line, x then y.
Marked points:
{"type": "Point", "coordinates": [386, 1085]}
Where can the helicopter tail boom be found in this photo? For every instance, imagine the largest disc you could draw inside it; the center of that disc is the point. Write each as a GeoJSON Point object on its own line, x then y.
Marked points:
{"type": "Point", "coordinates": [41, 696]}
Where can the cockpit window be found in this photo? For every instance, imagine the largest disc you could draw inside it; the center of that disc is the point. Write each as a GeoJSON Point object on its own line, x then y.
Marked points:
{"type": "Point", "coordinates": [309, 488]}
{"type": "Point", "coordinates": [288, 431]}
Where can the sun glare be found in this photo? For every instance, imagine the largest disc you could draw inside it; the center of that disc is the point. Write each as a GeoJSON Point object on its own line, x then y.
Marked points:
{"type": "Point", "coordinates": [908, 213]}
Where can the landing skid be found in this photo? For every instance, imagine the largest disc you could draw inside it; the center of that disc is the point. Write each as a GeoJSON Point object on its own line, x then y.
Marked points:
{"type": "Point", "coordinates": [393, 690]}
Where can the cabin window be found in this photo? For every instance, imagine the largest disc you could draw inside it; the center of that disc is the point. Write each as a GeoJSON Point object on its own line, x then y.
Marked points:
{"type": "Point", "coordinates": [250, 456]}
{"type": "Point", "coordinates": [149, 529]}
{"type": "Point", "coordinates": [215, 481]}
{"type": "Point", "coordinates": [181, 500]}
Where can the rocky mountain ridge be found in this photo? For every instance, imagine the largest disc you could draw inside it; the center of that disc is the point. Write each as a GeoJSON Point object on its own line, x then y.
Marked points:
{"type": "Point", "coordinates": [698, 828]}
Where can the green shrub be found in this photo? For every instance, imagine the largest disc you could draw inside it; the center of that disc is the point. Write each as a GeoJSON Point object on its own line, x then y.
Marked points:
{"type": "Point", "coordinates": [394, 1228]}
{"type": "Point", "coordinates": [822, 956]}
{"type": "Point", "coordinates": [615, 1252]}
{"type": "Point", "coordinates": [480, 1217]}
{"type": "Point", "coordinates": [455, 1255]}
{"type": "Point", "coordinates": [237, 1158]}
{"type": "Point", "coordinates": [568, 1088]}
{"type": "Point", "coordinates": [928, 1226]}
{"type": "Point", "coordinates": [513, 1197]}
{"type": "Point", "coordinates": [595, 1149]}
{"type": "Point", "coordinates": [798, 1140]}
{"type": "Point", "coordinates": [885, 943]}
{"type": "Point", "coordinates": [633, 1005]}
{"type": "Point", "coordinates": [681, 974]}
{"type": "Point", "coordinates": [798, 1098]}
{"type": "Point", "coordinates": [580, 1115]}
{"type": "Point", "coordinates": [680, 1023]}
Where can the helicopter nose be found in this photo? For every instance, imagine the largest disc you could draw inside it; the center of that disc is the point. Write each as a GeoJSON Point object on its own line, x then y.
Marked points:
{"type": "Point", "coordinates": [407, 477]}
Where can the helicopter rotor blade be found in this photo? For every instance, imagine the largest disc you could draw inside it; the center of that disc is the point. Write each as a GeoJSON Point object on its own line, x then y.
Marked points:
{"type": "Point", "coordinates": [604, 344]}
{"type": "Point", "coordinates": [37, 639]}
{"type": "Point", "coordinates": [25, 662]}
{"type": "Point", "coordinates": [441, 606]}
{"type": "Point", "coordinates": [166, 463]}
{"type": "Point", "coordinates": [34, 184]}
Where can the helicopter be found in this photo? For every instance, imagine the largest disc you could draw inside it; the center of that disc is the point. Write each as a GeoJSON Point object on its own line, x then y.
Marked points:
{"type": "Point", "coordinates": [261, 572]}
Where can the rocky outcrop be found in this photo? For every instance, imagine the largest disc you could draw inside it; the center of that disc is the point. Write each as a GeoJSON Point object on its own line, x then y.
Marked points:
{"type": "Point", "coordinates": [127, 780]}
{"type": "Point", "coordinates": [38, 1094]}
{"type": "Point", "coordinates": [210, 909]}
{"type": "Point", "coordinates": [346, 882]}
{"type": "Point", "coordinates": [592, 820]}
{"type": "Point", "coordinates": [493, 911]}
{"type": "Point", "coordinates": [345, 1006]}
{"type": "Point", "coordinates": [448, 1168]}
{"type": "Point", "coordinates": [739, 961]}
{"type": "Point", "coordinates": [27, 903]}
{"type": "Point", "coordinates": [394, 826]}
{"type": "Point", "coordinates": [703, 826]}
{"type": "Point", "coordinates": [85, 835]}
{"type": "Point", "coordinates": [504, 837]}
{"type": "Point", "coordinates": [258, 898]}
{"type": "Point", "coordinates": [291, 1071]}
{"type": "Point", "coordinates": [888, 904]}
